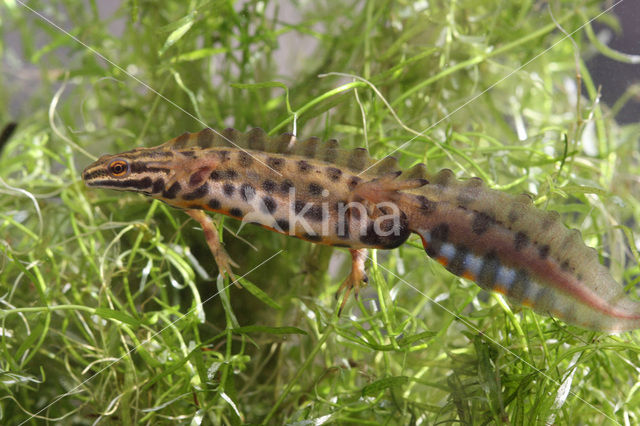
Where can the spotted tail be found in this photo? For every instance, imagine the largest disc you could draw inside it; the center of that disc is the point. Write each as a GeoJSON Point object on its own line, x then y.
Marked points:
{"type": "Point", "coordinates": [505, 244]}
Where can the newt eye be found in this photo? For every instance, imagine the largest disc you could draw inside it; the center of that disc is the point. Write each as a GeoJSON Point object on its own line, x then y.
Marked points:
{"type": "Point", "coordinates": [118, 168]}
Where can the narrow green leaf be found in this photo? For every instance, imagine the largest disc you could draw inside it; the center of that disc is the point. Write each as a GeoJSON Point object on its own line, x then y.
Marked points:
{"type": "Point", "coordinates": [269, 330]}
{"type": "Point", "coordinates": [184, 25]}
{"type": "Point", "coordinates": [257, 292]}
{"type": "Point", "coordinates": [117, 315]}
{"type": "Point", "coordinates": [382, 384]}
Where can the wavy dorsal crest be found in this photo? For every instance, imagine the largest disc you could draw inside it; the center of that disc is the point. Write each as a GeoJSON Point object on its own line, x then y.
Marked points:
{"type": "Point", "coordinates": [357, 159]}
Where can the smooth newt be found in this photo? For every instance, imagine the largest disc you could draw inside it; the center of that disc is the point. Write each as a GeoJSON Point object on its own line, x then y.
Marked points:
{"type": "Point", "coordinates": [327, 195]}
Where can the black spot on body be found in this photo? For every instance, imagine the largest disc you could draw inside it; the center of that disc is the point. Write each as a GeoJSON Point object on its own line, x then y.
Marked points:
{"type": "Point", "coordinates": [269, 204]}
{"type": "Point", "coordinates": [543, 251]}
{"type": "Point", "coordinates": [224, 155]}
{"type": "Point", "coordinates": [334, 173]}
{"type": "Point", "coordinates": [199, 192]}
{"type": "Point", "coordinates": [427, 206]}
{"type": "Point", "coordinates": [214, 204]}
{"type": "Point", "coordinates": [520, 286]}
{"type": "Point", "coordinates": [158, 186]}
{"type": "Point", "coordinates": [283, 224]}
{"type": "Point", "coordinates": [481, 223]}
{"type": "Point", "coordinates": [235, 212]}
{"type": "Point", "coordinates": [314, 213]}
{"type": "Point", "coordinates": [215, 175]}
{"type": "Point", "coordinates": [275, 163]}
{"type": "Point", "coordinates": [392, 233]}
{"type": "Point", "coordinates": [304, 166]}
{"type": "Point", "coordinates": [172, 191]}
{"type": "Point", "coordinates": [315, 189]}
{"type": "Point", "coordinates": [298, 206]}
{"type": "Point", "coordinates": [487, 276]}
{"type": "Point", "coordinates": [244, 159]}
{"type": "Point", "coordinates": [228, 189]}
{"type": "Point", "coordinates": [440, 233]}
{"type": "Point", "coordinates": [513, 216]}
{"type": "Point", "coordinates": [285, 186]}
{"type": "Point", "coordinates": [268, 185]}
{"type": "Point", "coordinates": [247, 192]}
{"type": "Point", "coordinates": [341, 245]}
{"type": "Point", "coordinates": [353, 182]}
{"type": "Point", "coordinates": [521, 240]}
{"type": "Point", "coordinates": [231, 174]}
{"type": "Point", "coordinates": [457, 265]}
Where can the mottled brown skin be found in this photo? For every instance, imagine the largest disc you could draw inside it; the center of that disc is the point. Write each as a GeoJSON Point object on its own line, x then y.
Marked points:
{"type": "Point", "coordinates": [500, 242]}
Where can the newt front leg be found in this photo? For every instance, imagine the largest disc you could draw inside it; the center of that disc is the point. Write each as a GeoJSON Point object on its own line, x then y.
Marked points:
{"type": "Point", "coordinates": [212, 236]}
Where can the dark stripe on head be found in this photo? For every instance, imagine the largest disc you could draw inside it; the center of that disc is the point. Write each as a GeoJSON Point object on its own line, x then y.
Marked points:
{"type": "Point", "coordinates": [140, 167]}
{"type": "Point", "coordinates": [235, 212]}
{"type": "Point", "coordinates": [95, 174]}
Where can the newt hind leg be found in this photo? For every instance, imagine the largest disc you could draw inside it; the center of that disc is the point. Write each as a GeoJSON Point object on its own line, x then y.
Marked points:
{"type": "Point", "coordinates": [355, 277]}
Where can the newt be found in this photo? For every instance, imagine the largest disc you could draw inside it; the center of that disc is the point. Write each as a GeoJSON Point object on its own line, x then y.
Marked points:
{"type": "Point", "coordinates": [328, 195]}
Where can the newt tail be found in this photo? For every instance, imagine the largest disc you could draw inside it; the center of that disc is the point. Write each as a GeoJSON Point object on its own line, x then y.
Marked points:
{"type": "Point", "coordinates": [324, 194]}
{"type": "Point", "coordinates": [506, 245]}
